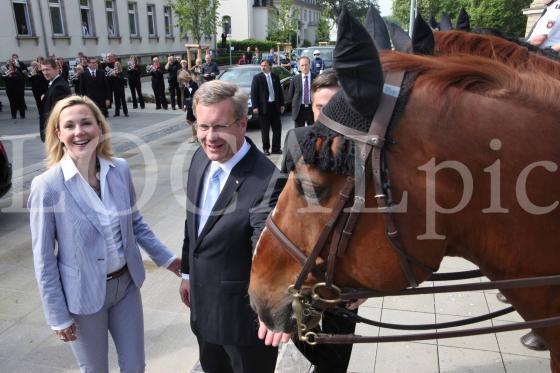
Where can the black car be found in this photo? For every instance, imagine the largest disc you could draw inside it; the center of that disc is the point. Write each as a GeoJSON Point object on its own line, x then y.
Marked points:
{"type": "Point", "coordinates": [5, 171]}
{"type": "Point", "coordinates": [242, 76]}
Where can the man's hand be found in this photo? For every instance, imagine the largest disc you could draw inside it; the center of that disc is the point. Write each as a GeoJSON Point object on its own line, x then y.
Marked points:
{"type": "Point", "coordinates": [355, 304]}
{"type": "Point", "coordinates": [175, 267]}
{"type": "Point", "coordinates": [270, 337]}
{"type": "Point", "coordinates": [282, 108]}
{"type": "Point", "coordinates": [255, 110]}
{"type": "Point", "coordinates": [185, 292]}
{"type": "Point", "coordinates": [108, 103]}
{"type": "Point", "coordinates": [538, 40]}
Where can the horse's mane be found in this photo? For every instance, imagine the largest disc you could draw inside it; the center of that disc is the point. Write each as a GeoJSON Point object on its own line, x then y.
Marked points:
{"type": "Point", "coordinates": [478, 75]}
{"type": "Point", "coordinates": [507, 51]}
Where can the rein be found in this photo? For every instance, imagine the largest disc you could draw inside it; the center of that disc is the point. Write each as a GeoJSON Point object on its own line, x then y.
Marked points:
{"type": "Point", "coordinates": [339, 228]}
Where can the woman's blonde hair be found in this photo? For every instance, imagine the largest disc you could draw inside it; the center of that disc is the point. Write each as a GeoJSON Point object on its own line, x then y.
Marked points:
{"type": "Point", "coordinates": [55, 148]}
{"type": "Point", "coordinates": [183, 76]}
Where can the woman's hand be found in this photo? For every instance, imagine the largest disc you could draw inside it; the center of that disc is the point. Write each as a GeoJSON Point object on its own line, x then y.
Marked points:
{"type": "Point", "coordinates": [175, 267]}
{"type": "Point", "coordinates": [270, 337]}
{"type": "Point", "coordinates": [68, 334]}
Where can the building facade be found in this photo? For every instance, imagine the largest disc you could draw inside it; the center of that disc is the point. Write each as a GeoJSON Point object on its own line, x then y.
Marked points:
{"type": "Point", "coordinates": [250, 19]}
{"type": "Point", "coordinates": [144, 28]}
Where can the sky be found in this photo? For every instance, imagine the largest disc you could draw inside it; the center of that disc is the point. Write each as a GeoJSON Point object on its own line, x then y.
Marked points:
{"type": "Point", "coordinates": [385, 6]}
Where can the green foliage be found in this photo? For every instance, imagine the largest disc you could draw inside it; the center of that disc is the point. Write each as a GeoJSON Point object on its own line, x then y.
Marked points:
{"type": "Point", "coordinates": [263, 45]}
{"type": "Point", "coordinates": [197, 17]}
{"type": "Point", "coordinates": [358, 8]}
{"type": "Point", "coordinates": [306, 43]}
{"type": "Point", "coordinates": [323, 29]}
{"type": "Point", "coordinates": [504, 15]}
{"type": "Point", "coordinates": [283, 22]}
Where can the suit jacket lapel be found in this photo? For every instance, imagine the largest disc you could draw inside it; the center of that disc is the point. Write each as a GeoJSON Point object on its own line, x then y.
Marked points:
{"type": "Point", "coordinates": [194, 193]}
{"type": "Point", "coordinates": [88, 211]}
{"type": "Point", "coordinates": [114, 187]}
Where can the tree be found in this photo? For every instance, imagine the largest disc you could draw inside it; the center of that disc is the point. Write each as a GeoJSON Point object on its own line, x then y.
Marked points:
{"type": "Point", "coordinates": [323, 30]}
{"type": "Point", "coordinates": [358, 8]}
{"type": "Point", "coordinates": [504, 15]}
{"type": "Point", "coordinates": [283, 22]}
{"type": "Point", "coordinates": [198, 17]}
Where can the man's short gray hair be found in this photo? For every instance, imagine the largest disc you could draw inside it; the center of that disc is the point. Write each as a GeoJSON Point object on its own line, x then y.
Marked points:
{"type": "Point", "coordinates": [216, 91]}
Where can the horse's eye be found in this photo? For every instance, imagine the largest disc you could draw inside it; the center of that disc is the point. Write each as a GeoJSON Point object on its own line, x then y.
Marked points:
{"type": "Point", "coordinates": [306, 188]}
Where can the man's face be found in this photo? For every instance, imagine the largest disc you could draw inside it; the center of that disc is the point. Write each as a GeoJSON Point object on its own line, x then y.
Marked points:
{"type": "Point", "coordinates": [92, 64]}
{"type": "Point", "coordinates": [222, 135]}
{"type": "Point", "coordinates": [265, 67]}
{"type": "Point", "coordinates": [304, 66]}
{"type": "Point", "coordinates": [208, 59]}
{"type": "Point", "coordinates": [111, 58]}
{"type": "Point", "coordinates": [321, 97]}
{"type": "Point", "coordinates": [49, 72]}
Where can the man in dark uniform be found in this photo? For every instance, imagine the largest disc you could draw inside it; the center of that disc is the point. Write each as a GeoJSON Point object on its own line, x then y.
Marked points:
{"type": "Point", "coordinates": [94, 84]}
{"type": "Point", "coordinates": [172, 67]}
{"type": "Point", "coordinates": [57, 90]}
{"type": "Point", "coordinates": [210, 69]}
{"type": "Point", "coordinates": [268, 103]}
{"type": "Point", "coordinates": [158, 85]}
{"type": "Point", "coordinates": [300, 94]}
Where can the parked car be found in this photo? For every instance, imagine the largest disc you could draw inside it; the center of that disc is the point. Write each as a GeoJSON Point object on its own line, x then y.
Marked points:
{"type": "Point", "coordinates": [243, 77]}
{"type": "Point", "coordinates": [5, 171]}
{"type": "Point", "coordinates": [326, 54]}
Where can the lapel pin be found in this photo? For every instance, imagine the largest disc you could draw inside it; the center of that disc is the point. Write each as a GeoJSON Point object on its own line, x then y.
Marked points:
{"type": "Point", "coordinates": [236, 181]}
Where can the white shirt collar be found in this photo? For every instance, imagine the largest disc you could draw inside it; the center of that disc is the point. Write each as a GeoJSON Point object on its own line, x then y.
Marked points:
{"type": "Point", "coordinates": [69, 169]}
{"type": "Point", "coordinates": [55, 78]}
{"type": "Point", "coordinates": [228, 165]}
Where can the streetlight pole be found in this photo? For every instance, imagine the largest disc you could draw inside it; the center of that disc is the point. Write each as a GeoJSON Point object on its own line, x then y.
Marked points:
{"type": "Point", "coordinates": [229, 38]}
{"type": "Point", "coordinates": [412, 17]}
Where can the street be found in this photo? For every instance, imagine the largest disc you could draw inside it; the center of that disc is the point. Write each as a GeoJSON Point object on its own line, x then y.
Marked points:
{"type": "Point", "coordinates": [154, 143]}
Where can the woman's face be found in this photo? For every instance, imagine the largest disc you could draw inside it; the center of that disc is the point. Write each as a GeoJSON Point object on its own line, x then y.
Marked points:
{"type": "Point", "coordinates": [79, 131]}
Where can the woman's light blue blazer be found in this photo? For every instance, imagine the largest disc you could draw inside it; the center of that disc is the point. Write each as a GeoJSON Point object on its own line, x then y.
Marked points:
{"type": "Point", "coordinates": [69, 250]}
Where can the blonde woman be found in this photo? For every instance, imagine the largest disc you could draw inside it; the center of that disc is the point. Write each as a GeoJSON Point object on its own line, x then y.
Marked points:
{"type": "Point", "coordinates": [85, 228]}
{"type": "Point", "coordinates": [189, 88]}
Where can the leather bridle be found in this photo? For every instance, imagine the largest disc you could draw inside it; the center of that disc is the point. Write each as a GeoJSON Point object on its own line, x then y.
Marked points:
{"type": "Point", "coordinates": [341, 224]}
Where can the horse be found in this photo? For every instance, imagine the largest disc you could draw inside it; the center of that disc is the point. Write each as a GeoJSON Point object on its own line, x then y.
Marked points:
{"type": "Point", "coordinates": [472, 153]}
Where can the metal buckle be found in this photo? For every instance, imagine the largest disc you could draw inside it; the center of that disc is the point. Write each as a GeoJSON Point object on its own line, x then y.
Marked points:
{"type": "Point", "coordinates": [323, 285]}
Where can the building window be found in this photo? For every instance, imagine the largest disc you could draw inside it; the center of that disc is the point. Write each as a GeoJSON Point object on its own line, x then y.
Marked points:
{"type": "Point", "coordinates": [23, 19]}
{"type": "Point", "coordinates": [305, 15]}
{"type": "Point", "coordinates": [133, 19]}
{"type": "Point", "coordinates": [112, 19]}
{"type": "Point", "coordinates": [168, 21]}
{"type": "Point", "coordinates": [55, 10]}
{"type": "Point", "coordinates": [151, 19]}
{"type": "Point", "coordinates": [86, 16]}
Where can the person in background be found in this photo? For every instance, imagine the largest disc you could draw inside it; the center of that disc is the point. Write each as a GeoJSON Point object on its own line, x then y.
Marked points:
{"type": "Point", "coordinates": [95, 85]}
{"type": "Point", "coordinates": [267, 97]}
{"type": "Point", "coordinates": [248, 56]}
{"type": "Point", "coordinates": [196, 71]}
{"type": "Point", "coordinates": [158, 85]}
{"type": "Point", "coordinates": [210, 69]}
{"type": "Point", "coordinates": [118, 84]}
{"type": "Point", "coordinates": [224, 39]}
{"type": "Point", "coordinates": [79, 70]}
{"type": "Point", "coordinates": [172, 67]}
{"type": "Point", "coordinates": [85, 231]}
{"type": "Point", "coordinates": [317, 65]}
{"type": "Point", "coordinates": [64, 68]}
{"type": "Point", "coordinates": [257, 58]}
{"type": "Point", "coordinates": [15, 89]}
{"type": "Point", "coordinates": [299, 94]}
{"type": "Point", "coordinates": [546, 32]}
{"type": "Point", "coordinates": [134, 82]}
{"type": "Point", "coordinates": [58, 89]}
{"type": "Point", "coordinates": [108, 65]}
{"type": "Point", "coordinates": [287, 63]}
{"type": "Point", "coordinates": [189, 87]}
{"type": "Point", "coordinates": [232, 187]}
{"type": "Point", "coordinates": [22, 67]}
{"type": "Point", "coordinates": [39, 85]}
{"type": "Point", "coordinates": [271, 57]}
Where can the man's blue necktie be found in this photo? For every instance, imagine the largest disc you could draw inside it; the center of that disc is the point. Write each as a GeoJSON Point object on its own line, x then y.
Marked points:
{"type": "Point", "coordinates": [212, 194]}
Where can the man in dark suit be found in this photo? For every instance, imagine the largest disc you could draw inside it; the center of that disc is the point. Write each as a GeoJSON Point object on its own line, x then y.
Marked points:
{"type": "Point", "coordinates": [95, 85]}
{"type": "Point", "coordinates": [268, 102]}
{"type": "Point", "coordinates": [300, 94]}
{"type": "Point", "coordinates": [57, 90]}
{"type": "Point", "coordinates": [231, 188]}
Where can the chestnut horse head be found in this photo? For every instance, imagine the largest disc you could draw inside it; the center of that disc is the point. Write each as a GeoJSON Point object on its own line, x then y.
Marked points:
{"type": "Point", "coordinates": [472, 156]}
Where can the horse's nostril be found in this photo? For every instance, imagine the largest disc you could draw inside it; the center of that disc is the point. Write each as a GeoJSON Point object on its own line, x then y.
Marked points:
{"type": "Point", "coordinates": [266, 317]}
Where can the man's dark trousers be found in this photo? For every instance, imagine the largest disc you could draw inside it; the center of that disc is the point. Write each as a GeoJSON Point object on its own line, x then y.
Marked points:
{"type": "Point", "coordinates": [271, 120]}
{"type": "Point", "coordinates": [305, 116]}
